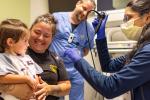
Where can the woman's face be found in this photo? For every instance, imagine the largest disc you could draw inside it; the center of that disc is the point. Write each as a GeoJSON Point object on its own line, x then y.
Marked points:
{"type": "Point", "coordinates": [132, 15]}
{"type": "Point", "coordinates": [41, 37]}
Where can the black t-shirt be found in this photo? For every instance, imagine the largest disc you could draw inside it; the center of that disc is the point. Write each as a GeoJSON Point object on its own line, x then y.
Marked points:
{"type": "Point", "coordinates": [53, 67]}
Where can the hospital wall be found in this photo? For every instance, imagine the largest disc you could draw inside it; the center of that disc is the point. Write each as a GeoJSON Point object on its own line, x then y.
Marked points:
{"type": "Point", "coordinates": [15, 9]}
{"type": "Point", "coordinates": [25, 10]}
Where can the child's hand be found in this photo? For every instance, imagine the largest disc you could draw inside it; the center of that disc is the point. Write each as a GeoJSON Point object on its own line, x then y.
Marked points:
{"type": "Point", "coordinates": [32, 83]}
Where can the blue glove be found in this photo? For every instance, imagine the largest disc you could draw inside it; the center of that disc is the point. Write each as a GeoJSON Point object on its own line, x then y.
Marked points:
{"type": "Point", "coordinates": [73, 54]}
{"type": "Point", "coordinates": [101, 31]}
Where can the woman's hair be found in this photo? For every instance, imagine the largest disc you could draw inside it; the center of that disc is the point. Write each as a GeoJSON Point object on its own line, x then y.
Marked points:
{"type": "Point", "coordinates": [48, 19]}
{"type": "Point", "coordinates": [11, 28]}
{"type": "Point", "coordinates": [143, 40]}
{"type": "Point", "coordinates": [140, 6]}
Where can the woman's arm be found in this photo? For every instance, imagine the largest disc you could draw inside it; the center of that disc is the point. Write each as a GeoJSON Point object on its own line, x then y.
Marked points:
{"type": "Point", "coordinates": [61, 89]}
{"type": "Point", "coordinates": [63, 85]}
{"type": "Point", "coordinates": [107, 63]}
{"type": "Point", "coordinates": [127, 78]}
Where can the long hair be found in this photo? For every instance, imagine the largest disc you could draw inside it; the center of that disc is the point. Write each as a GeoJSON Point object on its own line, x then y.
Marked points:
{"type": "Point", "coordinates": [143, 40]}
{"type": "Point", "coordinates": [140, 6]}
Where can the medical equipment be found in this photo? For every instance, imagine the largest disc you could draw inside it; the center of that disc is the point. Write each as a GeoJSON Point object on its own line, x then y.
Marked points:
{"type": "Point", "coordinates": [71, 37]}
{"type": "Point", "coordinates": [100, 16]}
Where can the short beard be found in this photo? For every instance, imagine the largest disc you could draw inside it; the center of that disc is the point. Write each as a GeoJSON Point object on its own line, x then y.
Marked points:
{"type": "Point", "coordinates": [78, 18]}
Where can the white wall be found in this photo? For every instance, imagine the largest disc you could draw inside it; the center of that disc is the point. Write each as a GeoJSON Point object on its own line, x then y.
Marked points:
{"type": "Point", "coordinates": [19, 9]}
{"type": "Point", "coordinates": [38, 7]}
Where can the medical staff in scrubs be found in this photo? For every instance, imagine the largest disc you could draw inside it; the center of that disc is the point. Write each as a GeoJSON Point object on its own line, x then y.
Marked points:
{"type": "Point", "coordinates": [72, 33]}
{"type": "Point", "coordinates": [130, 72]}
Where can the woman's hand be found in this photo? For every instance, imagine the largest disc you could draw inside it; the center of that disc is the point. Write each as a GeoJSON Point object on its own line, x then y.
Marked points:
{"type": "Point", "coordinates": [101, 31]}
{"type": "Point", "coordinates": [43, 90]}
{"type": "Point", "coordinates": [73, 54]}
{"type": "Point", "coordinates": [61, 89]}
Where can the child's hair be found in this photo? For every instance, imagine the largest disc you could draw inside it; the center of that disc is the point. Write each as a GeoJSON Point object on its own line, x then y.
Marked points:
{"type": "Point", "coordinates": [11, 28]}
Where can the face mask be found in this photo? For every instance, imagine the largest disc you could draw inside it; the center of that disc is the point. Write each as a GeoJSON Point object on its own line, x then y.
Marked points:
{"type": "Point", "coordinates": [131, 31]}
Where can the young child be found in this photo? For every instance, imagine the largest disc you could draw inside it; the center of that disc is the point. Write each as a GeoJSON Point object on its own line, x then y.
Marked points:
{"type": "Point", "coordinates": [15, 66]}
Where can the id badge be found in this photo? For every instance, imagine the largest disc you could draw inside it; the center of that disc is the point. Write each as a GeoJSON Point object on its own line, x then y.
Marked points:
{"type": "Point", "coordinates": [71, 37]}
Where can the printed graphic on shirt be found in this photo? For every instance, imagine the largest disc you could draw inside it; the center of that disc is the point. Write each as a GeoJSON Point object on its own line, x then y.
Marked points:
{"type": "Point", "coordinates": [53, 68]}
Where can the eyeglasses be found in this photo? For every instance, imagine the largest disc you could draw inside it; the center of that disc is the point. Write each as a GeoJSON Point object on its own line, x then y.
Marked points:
{"type": "Point", "coordinates": [126, 18]}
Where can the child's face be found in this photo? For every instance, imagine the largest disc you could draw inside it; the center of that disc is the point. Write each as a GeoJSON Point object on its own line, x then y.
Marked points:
{"type": "Point", "coordinates": [21, 46]}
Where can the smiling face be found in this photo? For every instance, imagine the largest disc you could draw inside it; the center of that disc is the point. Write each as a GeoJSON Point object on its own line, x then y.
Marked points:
{"type": "Point", "coordinates": [82, 8]}
{"type": "Point", "coordinates": [41, 37]}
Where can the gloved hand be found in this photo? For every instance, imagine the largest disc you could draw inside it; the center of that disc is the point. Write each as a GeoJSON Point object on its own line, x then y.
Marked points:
{"type": "Point", "coordinates": [101, 31]}
{"type": "Point", "coordinates": [73, 54]}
